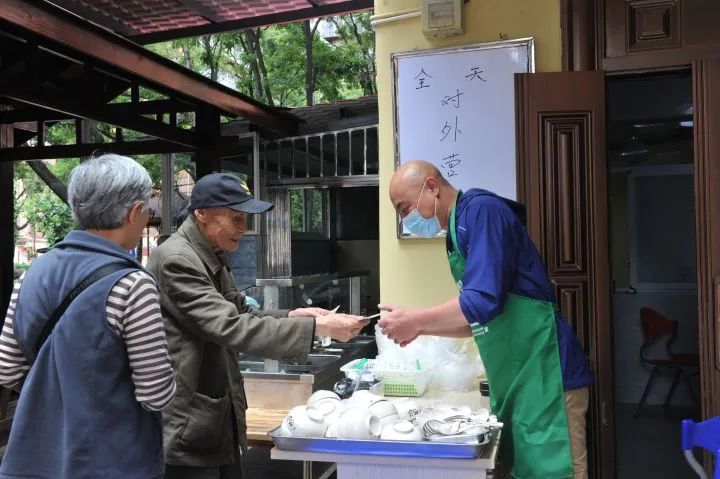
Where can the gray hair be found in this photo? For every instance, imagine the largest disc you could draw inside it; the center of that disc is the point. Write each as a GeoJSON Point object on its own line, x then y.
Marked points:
{"type": "Point", "coordinates": [102, 191]}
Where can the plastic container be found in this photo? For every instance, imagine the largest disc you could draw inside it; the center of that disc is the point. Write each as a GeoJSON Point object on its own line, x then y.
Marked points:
{"type": "Point", "coordinates": [399, 377]}
{"type": "Point", "coordinates": [403, 377]}
{"type": "Point", "coordinates": [354, 368]}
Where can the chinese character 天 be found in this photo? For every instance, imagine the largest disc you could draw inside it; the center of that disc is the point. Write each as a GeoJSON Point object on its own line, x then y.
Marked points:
{"type": "Point", "coordinates": [475, 73]}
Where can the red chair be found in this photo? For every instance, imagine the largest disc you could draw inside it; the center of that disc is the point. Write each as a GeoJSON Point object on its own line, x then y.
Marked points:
{"type": "Point", "coordinates": [656, 326]}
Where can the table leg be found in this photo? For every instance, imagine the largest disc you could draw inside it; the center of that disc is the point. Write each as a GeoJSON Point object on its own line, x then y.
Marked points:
{"type": "Point", "coordinates": [328, 473]}
{"type": "Point", "coordinates": [307, 470]}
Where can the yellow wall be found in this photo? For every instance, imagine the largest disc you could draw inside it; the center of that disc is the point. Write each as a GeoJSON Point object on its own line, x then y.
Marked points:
{"type": "Point", "coordinates": [415, 273]}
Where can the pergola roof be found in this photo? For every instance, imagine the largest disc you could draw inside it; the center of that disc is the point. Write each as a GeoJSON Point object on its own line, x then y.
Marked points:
{"type": "Point", "coordinates": [150, 21]}
{"type": "Point", "coordinates": [56, 66]}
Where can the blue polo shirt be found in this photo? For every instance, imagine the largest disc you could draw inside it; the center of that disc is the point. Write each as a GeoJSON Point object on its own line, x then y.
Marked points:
{"type": "Point", "coordinates": [501, 259]}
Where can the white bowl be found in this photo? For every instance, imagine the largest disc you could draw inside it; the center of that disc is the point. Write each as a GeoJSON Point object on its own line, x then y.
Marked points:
{"type": "Point", "coordinates": [358, 424]}
{"type": "Point", "coordinates": [306, 421]}
{"type": "Point", "coordinates": [407, 408]}
{"type": "Point", "coordinates": [332, 430]}
{"type": "Point", "coordinates": [333, 415]}
{"type": "Point", "coordinates": [327, 406]}
{"type": "Point", "coordinates": [401, 431]}
{"type": "Point", "coordinates": [383, 408]}
{"type": "Point", "coordinates": [321, 395]}
{"type": "Point", "coordinates": [284, 429]}
{"type": "Point", "coordinates": [363, 398]}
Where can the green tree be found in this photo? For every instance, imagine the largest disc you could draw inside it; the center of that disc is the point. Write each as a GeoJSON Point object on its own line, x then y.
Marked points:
{"type": "Point", "coordinates": [276, 66]}
{"type": "Point", "coordinates": [49, 215]}
{"type": "Point", "coordinates": [358, 47]}
{"type": "Point", "coordinates": [38, 204]}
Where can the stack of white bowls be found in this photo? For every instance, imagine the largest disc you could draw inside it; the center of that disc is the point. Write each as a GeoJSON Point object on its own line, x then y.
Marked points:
{"type": "Point", "coordinates": [363, 416]}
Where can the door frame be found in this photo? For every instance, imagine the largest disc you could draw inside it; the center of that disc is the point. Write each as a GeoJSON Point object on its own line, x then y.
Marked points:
{"type": "Point", "coordinates": [707, 308]}
{"type": "Point", "coordinates": [706, 118]}
{"type": "Point", "coordinates": [562, 168]}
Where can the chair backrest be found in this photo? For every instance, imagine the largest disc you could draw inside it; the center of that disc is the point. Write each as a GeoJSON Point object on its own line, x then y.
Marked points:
{"type": "Point", "coordinates": [703, 434]}
{"type": "Point", "coordinates": [656, 325]}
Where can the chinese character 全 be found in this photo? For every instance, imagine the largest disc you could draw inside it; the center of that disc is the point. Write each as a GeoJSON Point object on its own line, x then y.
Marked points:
{"type": "Point", "coordinates": [421, 77]}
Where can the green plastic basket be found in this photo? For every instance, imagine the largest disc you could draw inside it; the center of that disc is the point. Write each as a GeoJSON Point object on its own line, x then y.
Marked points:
{"type": "Point", "coordinates": [402, 378]}
{"type": "Point", "coordinates": [402, 387]}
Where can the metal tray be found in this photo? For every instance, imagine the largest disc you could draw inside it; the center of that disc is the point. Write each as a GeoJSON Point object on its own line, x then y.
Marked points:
{"type": "Point", "coordinates": [431, 449]}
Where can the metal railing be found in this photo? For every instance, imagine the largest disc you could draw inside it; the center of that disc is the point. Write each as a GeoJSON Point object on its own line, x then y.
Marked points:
{"type": "Point", "coordinates": [339, 156]}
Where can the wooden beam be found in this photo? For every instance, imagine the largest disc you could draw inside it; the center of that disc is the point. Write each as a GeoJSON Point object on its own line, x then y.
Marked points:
{"type": "Point", "coordinates": [21, 136]}
{"type": "Point", "coordinates": [300, 14]}
{"type": "Point", "coordinates": [208, 157]}
{"type": "Point", "coordinates": [101, 114]}
{"type": "Point", "coordinates": [577, 28]}
{"type": "Point", "coordinates": [143, 108]}
{"type": "Point", "coordinates": [7, 224]}
{"type": "Point", "coordinates": [146, 147]}
{"type": "Point", "coordinates": [226, 146]}
{"type": "Point", "coordinates": [58, 25]}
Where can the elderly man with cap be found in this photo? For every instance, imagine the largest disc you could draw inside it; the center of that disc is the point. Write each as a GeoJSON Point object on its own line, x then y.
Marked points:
{"type": "Point", "coordinates": [537, 370]}
{"type": "Point", "coordinates": [208, 321]}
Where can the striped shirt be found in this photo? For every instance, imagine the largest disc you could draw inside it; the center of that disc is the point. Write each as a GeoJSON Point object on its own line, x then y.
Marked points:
{"type": "Point", "coordinates": [133, 313]}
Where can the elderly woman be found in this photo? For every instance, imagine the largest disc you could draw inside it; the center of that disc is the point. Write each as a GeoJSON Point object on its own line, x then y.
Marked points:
{"type": "Point", "coordinates": [84, 333]}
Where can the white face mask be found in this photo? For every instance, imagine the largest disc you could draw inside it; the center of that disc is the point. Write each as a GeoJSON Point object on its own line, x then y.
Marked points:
{"type": "Point", "coordinates": [418, 225]}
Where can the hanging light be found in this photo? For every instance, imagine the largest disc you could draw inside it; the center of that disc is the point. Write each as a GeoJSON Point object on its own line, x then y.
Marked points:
{"type": "Point", "coordinates": [634, 147]}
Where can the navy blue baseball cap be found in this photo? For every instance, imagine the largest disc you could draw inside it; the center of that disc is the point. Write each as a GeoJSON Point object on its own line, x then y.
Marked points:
{"type": "Point", "coordinates": [224, 189]}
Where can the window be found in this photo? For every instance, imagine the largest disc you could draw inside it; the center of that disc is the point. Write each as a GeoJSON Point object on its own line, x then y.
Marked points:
{"type": "Point", "coordinates": [309, 212]}
{"type": "Point", "coordinates": [662, 228]}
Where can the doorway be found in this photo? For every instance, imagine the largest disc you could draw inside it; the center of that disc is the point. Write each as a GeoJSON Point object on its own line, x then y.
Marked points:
{"type": "Point", "coordinates": [651, 217]}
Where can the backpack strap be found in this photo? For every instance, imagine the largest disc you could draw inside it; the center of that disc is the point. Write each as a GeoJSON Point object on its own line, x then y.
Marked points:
{"type": "Point", "coordinates": [94, 277]}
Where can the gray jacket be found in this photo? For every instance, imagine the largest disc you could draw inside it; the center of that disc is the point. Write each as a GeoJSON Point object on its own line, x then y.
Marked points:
{"type": "Point", "coordinates": [207, 322]}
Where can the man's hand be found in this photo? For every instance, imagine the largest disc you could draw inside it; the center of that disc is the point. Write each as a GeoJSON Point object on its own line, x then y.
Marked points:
{"type": "Point", "coordinates": [342, 327]}
{"type": "Point", "coordinates": [308, 313]}
{"type": "Point", "coordinates": [399, 324]}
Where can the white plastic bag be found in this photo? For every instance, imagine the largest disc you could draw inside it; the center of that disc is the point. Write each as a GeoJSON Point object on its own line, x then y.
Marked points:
{"type": "Point", "coordinates": [456, 363]}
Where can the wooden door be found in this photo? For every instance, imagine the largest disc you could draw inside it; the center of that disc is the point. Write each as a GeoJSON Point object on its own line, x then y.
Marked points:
{"type": "Point", "coordinates": [648, 34]}
{"type": "Point", "coordinates": [7, 235]}
{"type": "Point", "coordinates": [706, 100]}
{"type": "Point", "coordinates": [562, 180]}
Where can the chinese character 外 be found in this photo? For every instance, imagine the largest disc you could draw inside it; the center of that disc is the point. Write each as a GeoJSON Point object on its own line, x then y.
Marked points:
{"type": "Point", "coordinates": [448, 128]}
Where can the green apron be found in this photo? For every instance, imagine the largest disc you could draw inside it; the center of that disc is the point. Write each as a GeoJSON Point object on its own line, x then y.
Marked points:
{"type": "Point", "coordinates": [520, 352]}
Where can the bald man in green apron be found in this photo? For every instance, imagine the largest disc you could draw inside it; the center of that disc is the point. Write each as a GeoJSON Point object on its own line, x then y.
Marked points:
{"type": "Point", "coordinates": [538, 373]}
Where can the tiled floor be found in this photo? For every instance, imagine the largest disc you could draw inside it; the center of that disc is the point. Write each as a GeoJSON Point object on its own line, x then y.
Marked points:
{"type": "Point", "coordinates": [649, 447]}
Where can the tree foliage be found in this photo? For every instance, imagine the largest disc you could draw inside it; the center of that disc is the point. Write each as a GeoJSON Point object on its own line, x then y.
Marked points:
{"type": "Point", "coordinates": [270, 64]}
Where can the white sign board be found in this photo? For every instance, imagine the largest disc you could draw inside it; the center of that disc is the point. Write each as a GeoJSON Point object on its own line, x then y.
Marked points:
{"type": "Point", "coordinates": [455, 108]}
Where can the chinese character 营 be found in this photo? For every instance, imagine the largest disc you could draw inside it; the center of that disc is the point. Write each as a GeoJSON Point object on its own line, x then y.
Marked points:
{"type": "Point", "coordinates": [450, 163]}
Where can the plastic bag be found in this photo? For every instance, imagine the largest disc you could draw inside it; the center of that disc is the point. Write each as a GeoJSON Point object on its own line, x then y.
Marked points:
{"type": "Point", "coordinates": [456, 363]}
